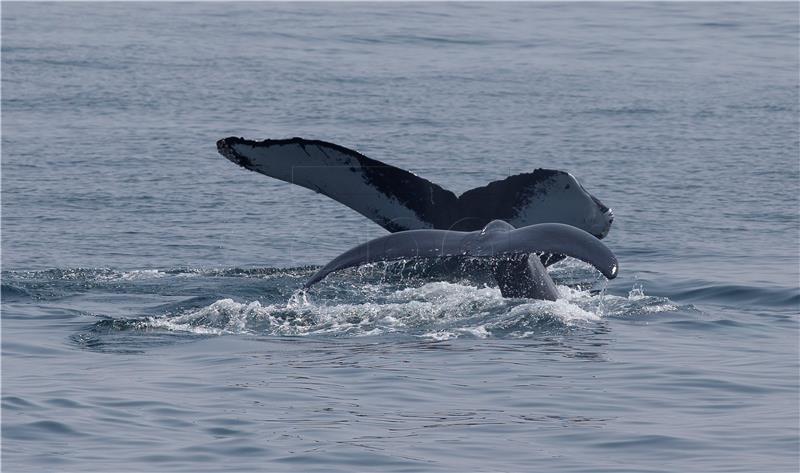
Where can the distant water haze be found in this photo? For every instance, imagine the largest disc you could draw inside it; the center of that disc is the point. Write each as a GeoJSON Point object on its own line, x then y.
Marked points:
{"type": "Point", "coordinates": [149, 308]}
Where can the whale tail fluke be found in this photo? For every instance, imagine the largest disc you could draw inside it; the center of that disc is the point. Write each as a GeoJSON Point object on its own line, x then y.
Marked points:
{"type": "Point", "coordinates": [508, 250]}
{"type": "Point", "coordinates": [399, 200]}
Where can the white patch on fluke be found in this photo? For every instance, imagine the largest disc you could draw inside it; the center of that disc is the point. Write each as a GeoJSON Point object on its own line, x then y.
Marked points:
{"type": "Point", "coordinates": [561, 199]}
{"type": "Point", "coordinates": [332, 173]}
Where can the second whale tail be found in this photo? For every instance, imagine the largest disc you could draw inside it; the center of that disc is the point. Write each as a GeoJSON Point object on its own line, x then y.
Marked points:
{"type": "Point", "coordinates": [399, 200]}
{"type": "Point", "coordinates": [517, 274]}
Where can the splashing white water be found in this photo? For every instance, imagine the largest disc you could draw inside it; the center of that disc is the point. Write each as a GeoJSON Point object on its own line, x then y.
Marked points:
{"type": "Point", "coordinates": [437, 310]}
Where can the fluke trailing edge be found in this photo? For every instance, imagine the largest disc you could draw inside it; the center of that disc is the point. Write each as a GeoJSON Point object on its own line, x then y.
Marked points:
{"type": "Point", "coordinates": [399, 200]}
{"type": "Point", "coordinates": [509, 249]}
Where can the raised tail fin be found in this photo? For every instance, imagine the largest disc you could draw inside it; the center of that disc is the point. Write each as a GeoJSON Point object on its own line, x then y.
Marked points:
{"type": "Point", "coordinates": [399, 200]}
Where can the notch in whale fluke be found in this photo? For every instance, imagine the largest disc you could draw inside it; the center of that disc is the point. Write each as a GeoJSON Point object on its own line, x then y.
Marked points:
{"type": "Point", "coordinates": [399, 200]}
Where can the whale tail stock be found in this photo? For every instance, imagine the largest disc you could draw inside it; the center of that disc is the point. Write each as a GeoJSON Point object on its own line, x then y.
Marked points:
{"type": "Point", "coordinates": [524, 276]}
{"type": "Point", "coordinates": [399, 200]}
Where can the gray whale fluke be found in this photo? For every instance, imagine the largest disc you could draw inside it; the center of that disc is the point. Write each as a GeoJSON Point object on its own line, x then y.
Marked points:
{"type": "Point", "coordinates": [399, 200]}
{"type": "Point", "coordinates": [517, 274]}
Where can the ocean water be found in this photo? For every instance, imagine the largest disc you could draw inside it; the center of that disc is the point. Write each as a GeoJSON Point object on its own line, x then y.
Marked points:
{"type": "Point", "coordinates": [150, 320]}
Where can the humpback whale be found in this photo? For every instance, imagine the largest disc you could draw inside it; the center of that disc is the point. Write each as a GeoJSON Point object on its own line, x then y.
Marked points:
{"type": "Point", "coordinates": [507, 249]}
{"type": "Point", "coordinates": [399, 200]}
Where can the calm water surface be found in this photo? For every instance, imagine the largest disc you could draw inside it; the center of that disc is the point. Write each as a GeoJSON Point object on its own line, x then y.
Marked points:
{"type": "Point", "coordinates": [149, 321]}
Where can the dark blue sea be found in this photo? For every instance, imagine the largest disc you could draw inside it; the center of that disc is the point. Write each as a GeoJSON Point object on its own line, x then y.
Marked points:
{"type": "Point", "coordinates": [150, 319]}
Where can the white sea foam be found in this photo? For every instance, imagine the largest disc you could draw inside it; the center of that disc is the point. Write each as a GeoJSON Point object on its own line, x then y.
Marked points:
{"type": "Point", "coordinates": [223, 316]}
{"type": "Point", "coordinates": [437, 310]}
{"type": "Point", "coordinates": [141, 274]}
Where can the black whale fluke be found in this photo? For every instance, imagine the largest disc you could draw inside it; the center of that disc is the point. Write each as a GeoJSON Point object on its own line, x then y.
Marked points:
{"type": "Point", "coordinates": [517, 274]}
{"type": "Point", "coordinates": [399, 200]}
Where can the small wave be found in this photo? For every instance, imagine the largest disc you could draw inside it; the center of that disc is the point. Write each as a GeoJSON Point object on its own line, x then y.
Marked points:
{"type": "Point", "coordinates": [423, 40]}
{"type": "Point", "coordinates": [636, 304]}
{"type": "Point", "coordinates": [764, 107]}
{"type": "Point", "coordinates": [629, 110]}
{"type": "Point", "coordinates": [13, 293]}
{"type": "Point", "coordinates": [89, 275]}
{"type": "Point", "coordinates": [134, 275]}
{"type": "Point", "coordinates": [38, 430]}
{"type": "Point", "coordinates": [719, 24]}
{"type": "Point", "coordinates": [732, 294]}
{"type": "Point", "coordinates": [261, 273]}
{"type": "Point", "coordinates": [86, 275]}
{"type": "Point", "coordinates": [53, 284]}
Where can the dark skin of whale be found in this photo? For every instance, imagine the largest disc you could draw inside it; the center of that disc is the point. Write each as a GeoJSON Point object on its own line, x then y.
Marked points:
{"type": "Point", "coordinates": [399, 200]}
{"type": "Point", "coordinates": [509, 250]}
